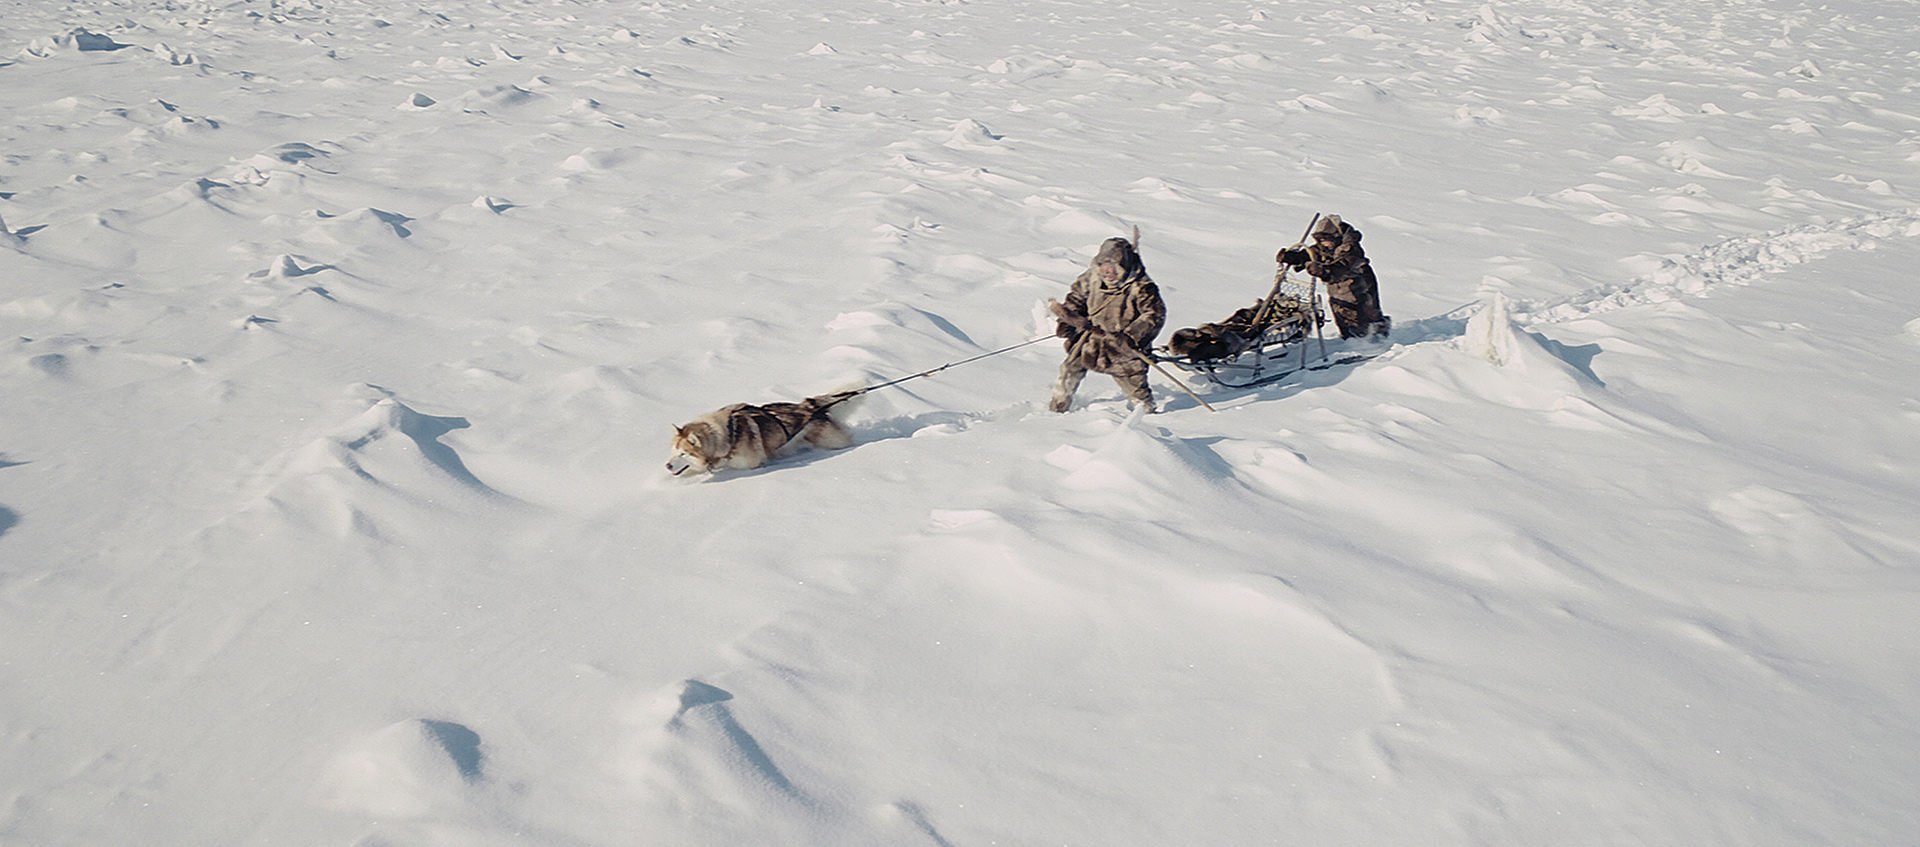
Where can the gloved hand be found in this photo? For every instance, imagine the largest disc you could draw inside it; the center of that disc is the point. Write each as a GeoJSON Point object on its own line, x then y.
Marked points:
{"type": "Point", "coordinates": [1069, 324]}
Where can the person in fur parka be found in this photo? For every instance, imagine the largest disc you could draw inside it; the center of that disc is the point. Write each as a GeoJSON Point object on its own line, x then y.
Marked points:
{"type": "Point", "coordinates": [1109, 320]}
{"type": "Point", "coordinates": [1333, 256]}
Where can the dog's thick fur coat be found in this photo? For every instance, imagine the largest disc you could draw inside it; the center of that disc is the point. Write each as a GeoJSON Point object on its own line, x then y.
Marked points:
{"type": "Point", "coordinates": [743, 436]}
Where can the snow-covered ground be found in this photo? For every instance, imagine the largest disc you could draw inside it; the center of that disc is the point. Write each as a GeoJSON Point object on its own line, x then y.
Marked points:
{"type": "Point", "coordinates": [340, 341]}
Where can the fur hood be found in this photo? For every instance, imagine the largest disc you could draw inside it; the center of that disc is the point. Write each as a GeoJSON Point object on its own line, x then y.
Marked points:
{"type": "Point", "coordinates": [1127, 312]}
{"type": "Point", "coordinates": [1342, 232]}
{"type": "Point", "coordinates": [1120, 252]}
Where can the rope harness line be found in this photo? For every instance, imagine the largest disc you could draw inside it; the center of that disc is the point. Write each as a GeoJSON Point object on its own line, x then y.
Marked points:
{"type": "Point", "coordinates": [844, 396]}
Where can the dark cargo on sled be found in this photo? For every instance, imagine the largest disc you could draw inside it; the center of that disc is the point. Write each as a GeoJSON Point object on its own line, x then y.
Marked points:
{"type": "Point", "coordinates": [1255, 345]}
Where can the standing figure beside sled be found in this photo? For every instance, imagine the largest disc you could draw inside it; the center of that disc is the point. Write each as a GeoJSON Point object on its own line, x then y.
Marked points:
{"type": "Point", "coordinates": [1109, 320]}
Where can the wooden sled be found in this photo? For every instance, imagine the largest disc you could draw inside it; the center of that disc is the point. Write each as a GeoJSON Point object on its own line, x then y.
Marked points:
{"type": "Point", "coordinates": [1258, 345]}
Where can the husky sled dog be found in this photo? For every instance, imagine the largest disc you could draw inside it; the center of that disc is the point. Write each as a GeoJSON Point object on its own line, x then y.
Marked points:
{"type": "Point", "coordinates": [743, 436]}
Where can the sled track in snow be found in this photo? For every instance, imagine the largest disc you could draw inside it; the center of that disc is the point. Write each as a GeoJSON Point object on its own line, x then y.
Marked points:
{"type": "Point", "coordinates": [1735, 261]}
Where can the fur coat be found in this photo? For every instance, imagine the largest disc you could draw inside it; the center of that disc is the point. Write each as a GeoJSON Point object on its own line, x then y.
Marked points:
{"type": "Point", "coordinates": [1333, 256]}
{"type": "Point", "coordinates": [1106, 321]}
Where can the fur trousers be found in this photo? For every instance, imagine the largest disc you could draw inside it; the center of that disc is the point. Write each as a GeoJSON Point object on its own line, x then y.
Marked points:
{"type": "Point", "coordinates": [1133, 382]}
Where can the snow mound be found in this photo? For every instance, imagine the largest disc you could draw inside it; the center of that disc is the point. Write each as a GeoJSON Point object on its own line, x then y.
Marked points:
{"type": "Point", "coordinates": [408, 769]}
{"type": "Point", "coordinates": [77, 40]}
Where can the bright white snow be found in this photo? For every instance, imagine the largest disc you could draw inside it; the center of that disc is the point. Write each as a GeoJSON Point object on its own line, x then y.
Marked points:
{"type": "Point", "coordinates": [340, 341]}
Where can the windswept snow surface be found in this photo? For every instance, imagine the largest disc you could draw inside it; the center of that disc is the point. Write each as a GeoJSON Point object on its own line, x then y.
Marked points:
{"type": "Point", "coordinates": [340, 341]}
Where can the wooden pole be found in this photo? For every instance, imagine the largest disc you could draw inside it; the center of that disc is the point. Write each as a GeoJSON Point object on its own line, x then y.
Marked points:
{"type": "Point", "coordinates": [1183, 386]}
{"type": "Point", "coordinates": [1280, 276]}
